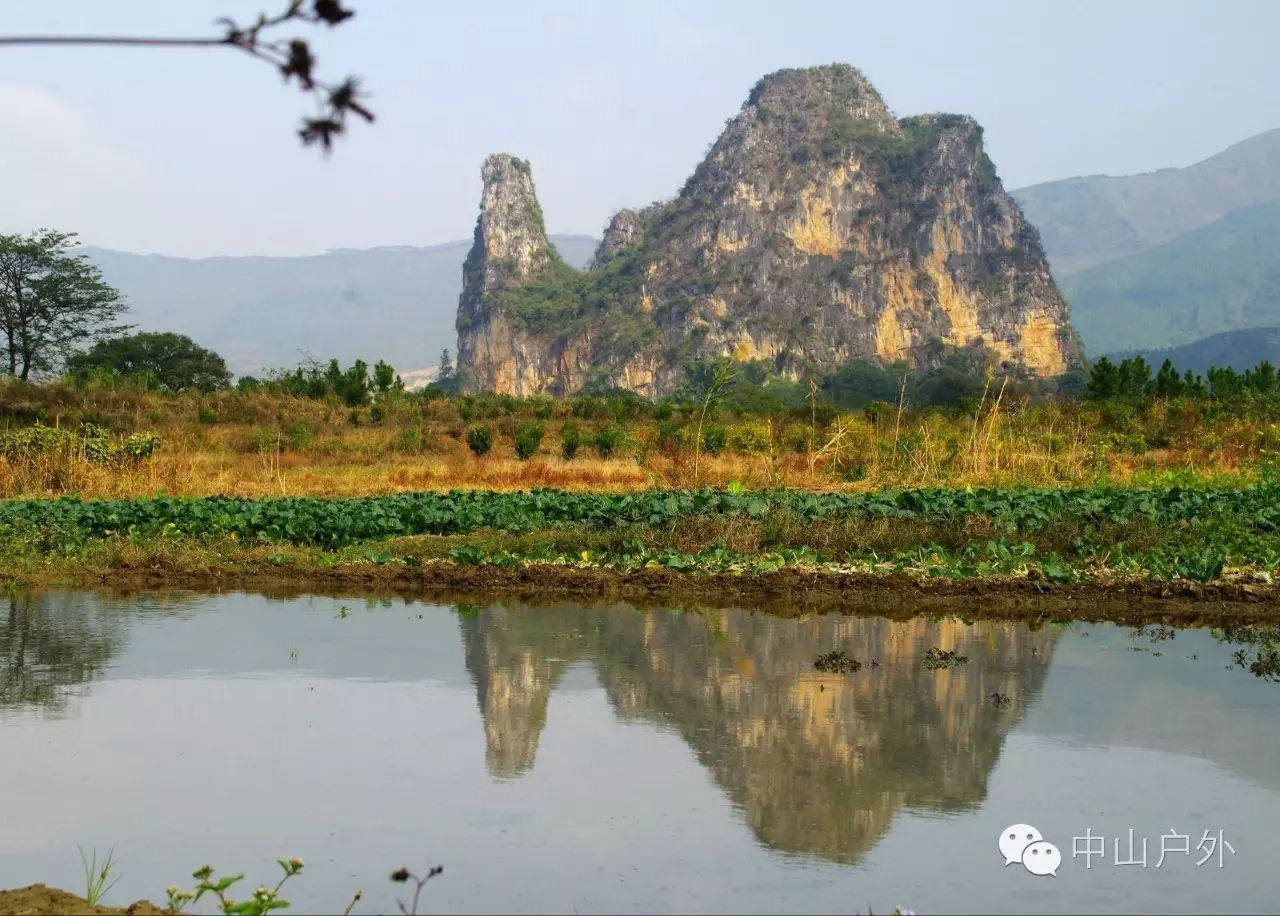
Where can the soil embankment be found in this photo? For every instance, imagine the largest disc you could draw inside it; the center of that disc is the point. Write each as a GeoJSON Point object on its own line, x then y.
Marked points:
{"type": "Point", "coordinates": [39, 900]}
{"type": "Point", "coordinates": [785, 592]}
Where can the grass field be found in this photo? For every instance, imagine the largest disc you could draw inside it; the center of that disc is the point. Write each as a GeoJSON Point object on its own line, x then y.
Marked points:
{"type": "Point", "coordinates": [1059, 493]}
{"type": "Point", "coordinates": [258, 444]}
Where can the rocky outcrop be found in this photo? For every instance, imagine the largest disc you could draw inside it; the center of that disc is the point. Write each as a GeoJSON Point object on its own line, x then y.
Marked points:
{"type": "Point", "coordinates": [818, 230]}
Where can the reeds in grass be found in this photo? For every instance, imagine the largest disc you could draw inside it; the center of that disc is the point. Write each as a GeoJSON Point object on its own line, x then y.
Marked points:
{"type": "Point", "coordinates": [98, 879]}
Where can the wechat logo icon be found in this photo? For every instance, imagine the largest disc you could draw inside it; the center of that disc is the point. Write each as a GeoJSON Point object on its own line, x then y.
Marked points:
{"type": "Point", "coordinates": [1024, 844]}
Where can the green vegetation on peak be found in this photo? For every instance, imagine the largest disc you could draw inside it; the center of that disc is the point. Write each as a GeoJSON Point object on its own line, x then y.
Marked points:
{"type": "Point", "coordinates": [559, 301]}
{"type": "Point", "coordinates": [840, 82]}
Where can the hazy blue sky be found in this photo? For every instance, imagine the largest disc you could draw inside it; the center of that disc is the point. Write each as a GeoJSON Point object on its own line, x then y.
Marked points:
{"type": "Point", "coordinates": [192, 152]}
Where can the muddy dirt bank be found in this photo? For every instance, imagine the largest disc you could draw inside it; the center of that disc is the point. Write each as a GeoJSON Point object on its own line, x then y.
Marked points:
{"type": "Point", "coordinates": [38, 900]}
{"type": "Point", "coordinates": [786, 592]}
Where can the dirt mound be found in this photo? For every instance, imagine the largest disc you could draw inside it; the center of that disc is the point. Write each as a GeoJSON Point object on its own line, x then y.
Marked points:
{"type": "Point", "coordinates": [38, 900]}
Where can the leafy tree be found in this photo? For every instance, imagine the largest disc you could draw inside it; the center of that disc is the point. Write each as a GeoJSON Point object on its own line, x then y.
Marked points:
{"type": "Point", "coordinates": [1263, 378]}
{"type": "Point", "coordinates": [174, 361]}
{"type": "Point", "coordinates": [51, 301]}
{"type": "Point", "coordinates": [706, 380]}
{"type": "Point", "coordinates": [714, 439]}
{"type": "Point", "coordinates": [352, 386]}
{"type": "Point", "coordinates": [1135, 377]}
{"type": "Point", "coordinates": [947, 386]}
{"type": "Point", "coordinates": [1130, 380]}
{"type": "Point", "coordinates": [480, 439]}
{"type": "Point", "coordinates": [1169, 384]}
{"type": "Point", "coordinates": [385, 379]}
{"type": "Point", "coordinates": [1104, 380]}
{"type": "Point", "coordinates": [528, 439]}
{"type": "Point", "coordinates": [570, 440]}
{"type": "Point", "coordinates": [608, 439]}
{"type": "Point", "coordinates": [860, 382]}
{"type": "Point", "coordinates": [447, 377]}
{"type": "Point", "coordinates": [1225, 383]}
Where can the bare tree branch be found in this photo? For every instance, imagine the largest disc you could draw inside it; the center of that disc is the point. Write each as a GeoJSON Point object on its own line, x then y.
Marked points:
{"type": "Point", "coordinates": [110, 40]}
{"type": "Point", "coordinates": [292, 58]}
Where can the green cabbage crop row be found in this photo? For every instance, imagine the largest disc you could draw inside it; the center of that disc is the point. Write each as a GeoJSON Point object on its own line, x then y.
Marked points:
{"type": "Point", "coordinates": [341, 522]}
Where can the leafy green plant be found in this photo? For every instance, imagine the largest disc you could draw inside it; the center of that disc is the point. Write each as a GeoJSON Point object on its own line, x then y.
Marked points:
{"type": "Point", "coordinates": [90, 442]}
{"type": "Point", "coordinates": [98, 879]}
{"type": "Point", "coordinates": [714, 439]}
{"type": "Point", "coordinates": [527, 440]}
{"type": "Point", "coordinates": [608, 439]}
{"type": "Point", "coordinates": [260, 903]}
{"type": "Point", "coordinates": [468, 555]}
{"type": "Point", "coordinates": [1201, 566]}
{"type": "Point", "coordinates": [570, 440]}
{"type": "Point", "coordinates": [139, 447]}
{"type": "Point", "coordinates": [1055, 569]}
{"type": "Point", "coordinates": [409, 440]}
{"type": "Point", "coordinates": [480, 439]}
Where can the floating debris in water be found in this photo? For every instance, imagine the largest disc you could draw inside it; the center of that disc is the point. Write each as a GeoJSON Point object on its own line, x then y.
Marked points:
{"type": "Point", "coordinates": [937, 658]}
{"type": "Point", "coordinates": [1156, 633]}
{"type": "Point", "coordinates": [1001, 700]}
{"type": "Point", "coordinates": [837, 662]}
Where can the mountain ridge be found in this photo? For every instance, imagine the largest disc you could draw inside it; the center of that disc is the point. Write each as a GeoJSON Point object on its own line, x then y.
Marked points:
{"type": "Point", "coordinates": [264, 311]}
{"type": "Point", "coordinates": [1221, 277]}
{"type": "Point", "coordinates": [818, 229]}
{"type": "Point", "coordinates": [1089, 220]}
{"type": "Point", "coordinates": [1240, 350]}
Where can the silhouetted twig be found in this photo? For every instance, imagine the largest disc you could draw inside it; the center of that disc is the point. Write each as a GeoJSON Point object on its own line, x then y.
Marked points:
{"type": "Point", "coordinates": [292, 57]}
{"type": "Point", "coordinates": [403, 874]}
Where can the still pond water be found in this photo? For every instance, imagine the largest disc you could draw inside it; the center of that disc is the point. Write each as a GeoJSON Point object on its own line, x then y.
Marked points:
{"type": "Point", "coordinates": [602, 758]}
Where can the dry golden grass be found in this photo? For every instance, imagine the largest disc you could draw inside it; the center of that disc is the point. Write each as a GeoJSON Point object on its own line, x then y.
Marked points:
{"type": "Point", "coordinates": [260, 445]}
{"type": "Point", "coordinates": [206, 470]}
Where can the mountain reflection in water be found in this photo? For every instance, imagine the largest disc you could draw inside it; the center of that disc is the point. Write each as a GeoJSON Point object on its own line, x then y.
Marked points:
{"type": "Point", "coordinates": [817, 763]}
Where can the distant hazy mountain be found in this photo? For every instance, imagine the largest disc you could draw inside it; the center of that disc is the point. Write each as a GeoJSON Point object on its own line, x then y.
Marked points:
{"type": "Point", "coordinates": [394, 303]}
{"type": "Point", "coordinates": [1222, 277]}
{"type": "Point", "coordinates": [1088, 221]}
{"type": "Point", "coordinates": [1241, 350]}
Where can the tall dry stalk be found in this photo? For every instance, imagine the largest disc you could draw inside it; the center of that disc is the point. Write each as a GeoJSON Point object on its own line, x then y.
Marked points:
{"type": "Point", "coordinates": [717, 388]}
{"type": "Point", "coordinates": [813, 421]}
{"type": "Point", "coordinates": [902, 405]}
{"type": "Point", "coordinates": [980, 447]}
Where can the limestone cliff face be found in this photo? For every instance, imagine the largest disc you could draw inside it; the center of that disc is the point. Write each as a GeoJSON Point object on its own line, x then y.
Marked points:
{"type": "Point", "coordinates": [819, 229]}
